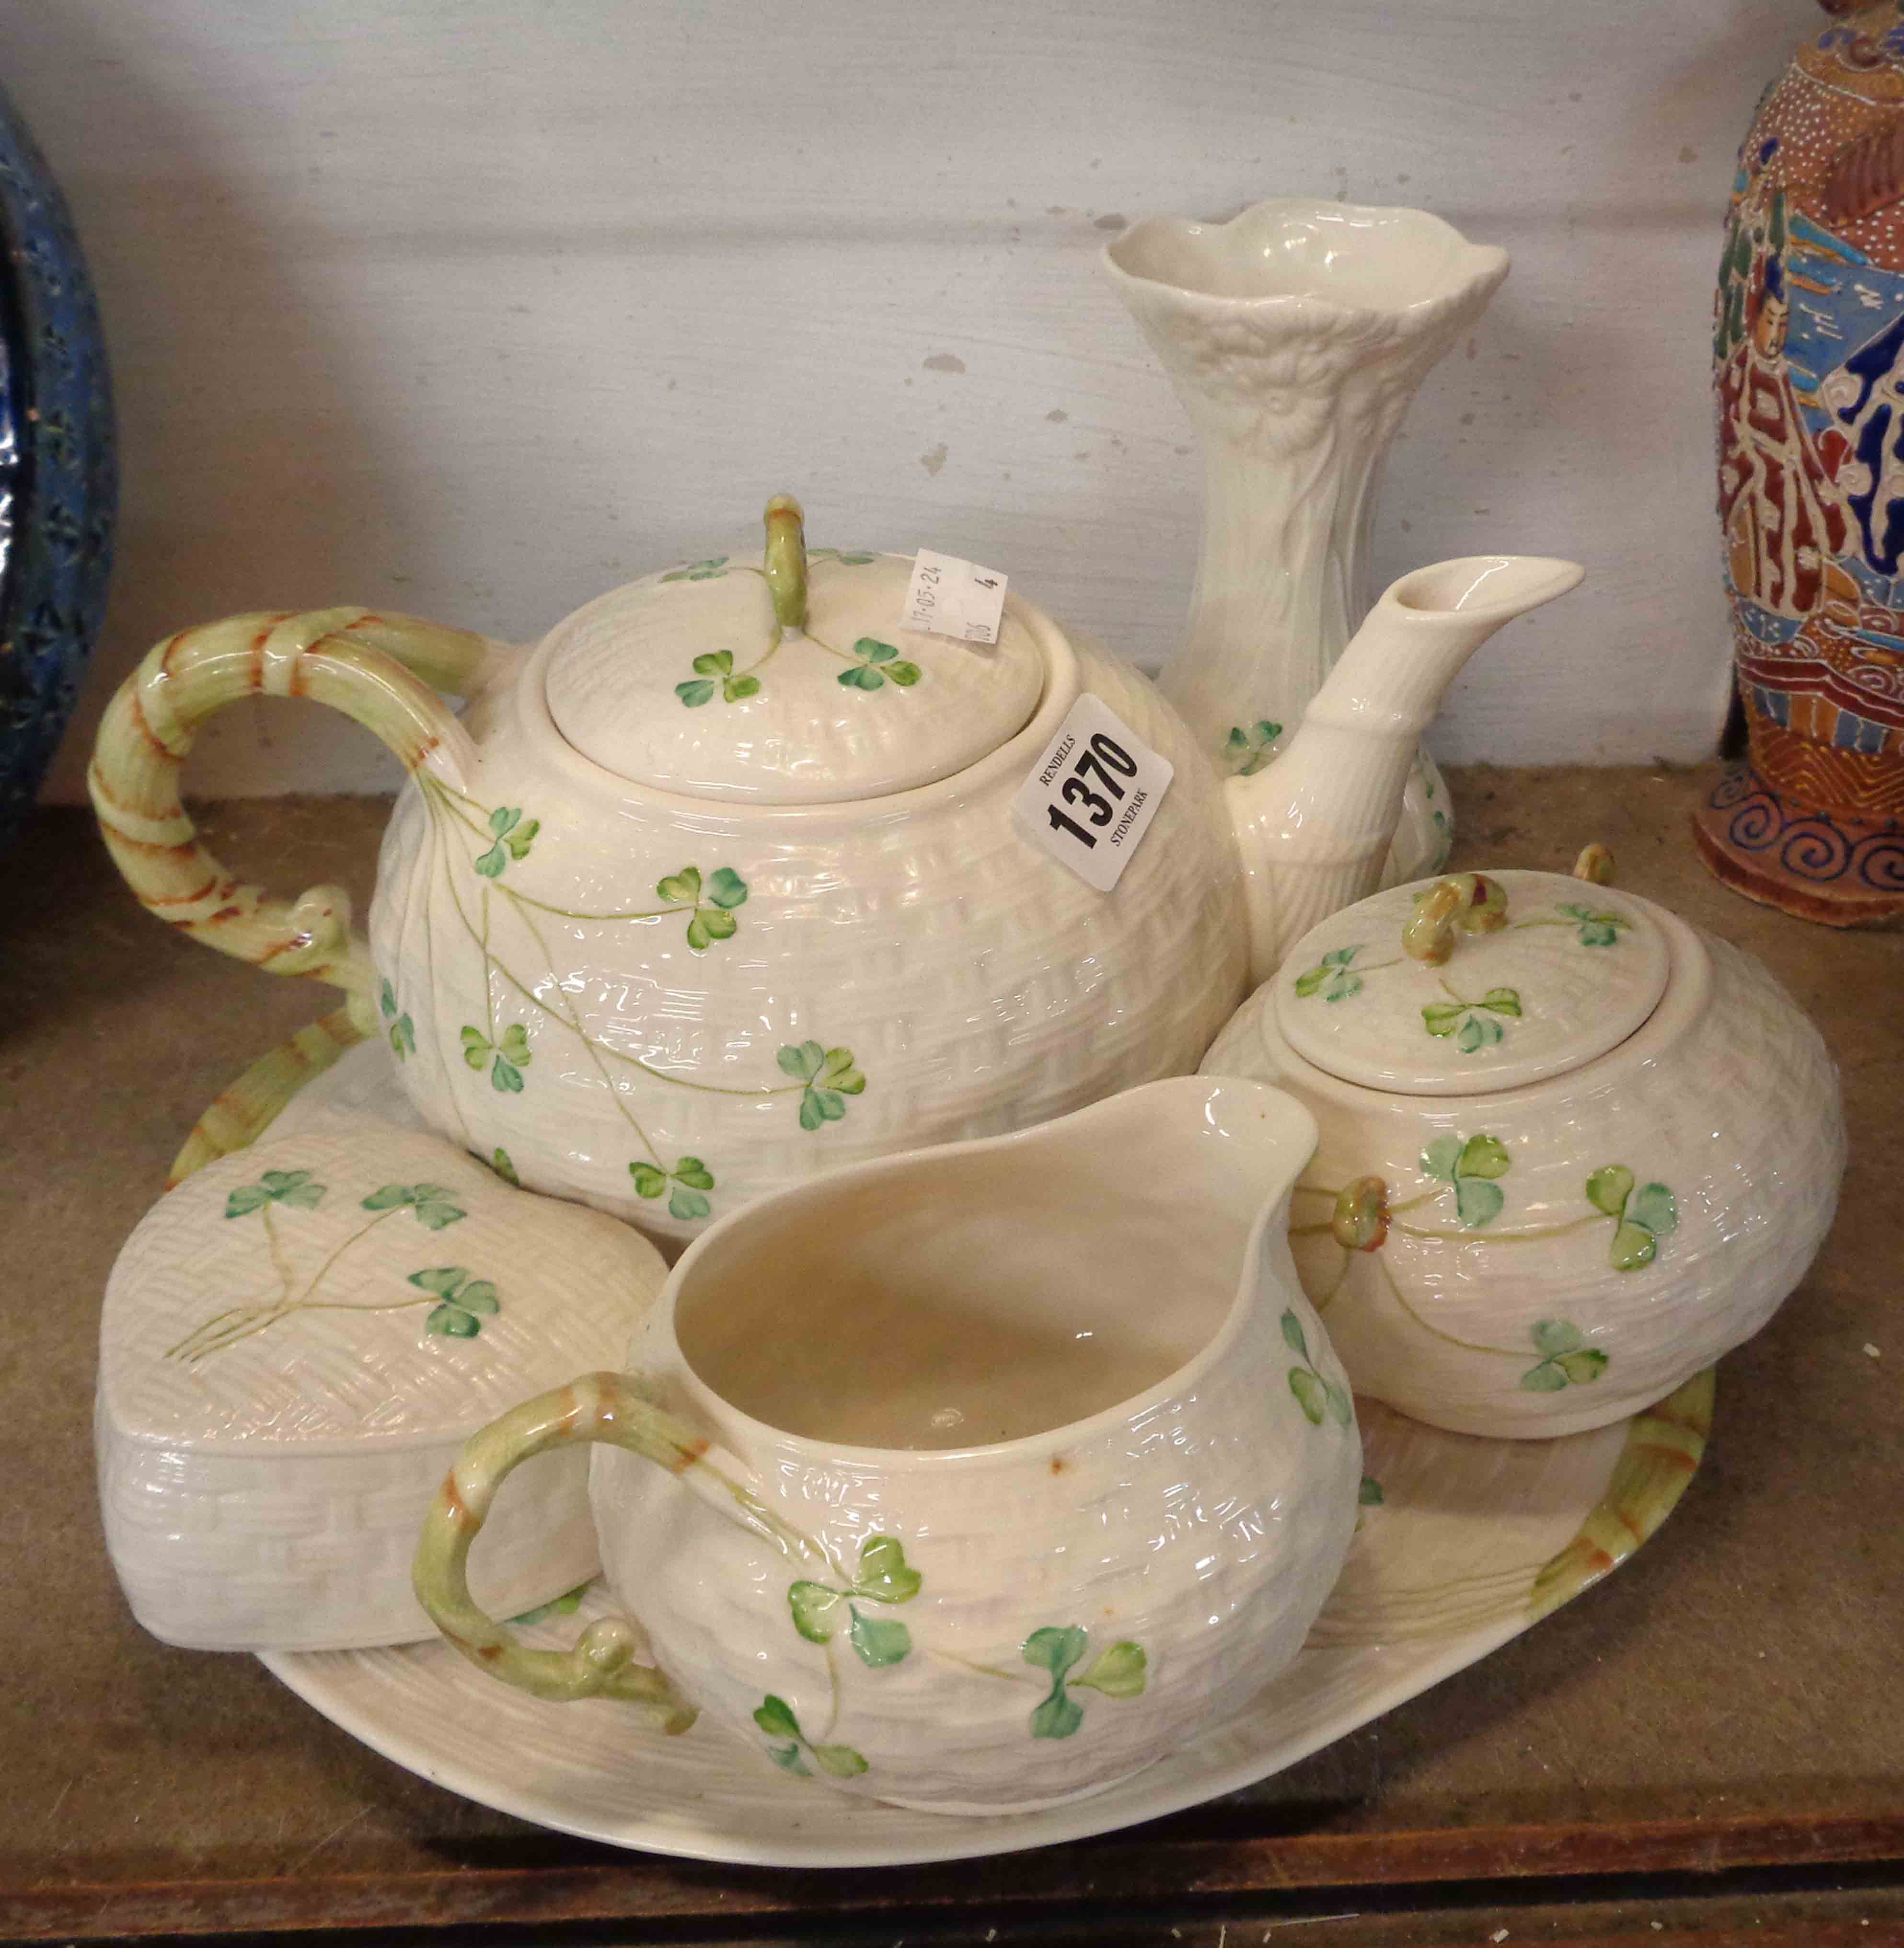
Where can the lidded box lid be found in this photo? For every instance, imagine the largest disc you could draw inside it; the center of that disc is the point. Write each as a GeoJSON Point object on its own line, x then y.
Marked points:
{"type": "Point", "coordinates": [1570, 971]}
{"type": "Point", "coordinates": [779, 678]}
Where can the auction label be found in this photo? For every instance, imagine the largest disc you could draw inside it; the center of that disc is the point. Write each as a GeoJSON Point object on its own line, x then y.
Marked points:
{"type": "Point", "coordinates": [951, 597]}
{"type": "Point", "coordinates": [1092, 794]}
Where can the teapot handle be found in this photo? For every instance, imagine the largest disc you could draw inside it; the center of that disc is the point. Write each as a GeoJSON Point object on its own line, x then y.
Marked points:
{"type": "Point", "coordinates": [383, 671]}
{"type": "Point", "coordinates": [598, 1407]}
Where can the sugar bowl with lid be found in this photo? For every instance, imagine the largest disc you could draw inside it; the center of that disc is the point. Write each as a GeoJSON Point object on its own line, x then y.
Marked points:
{"type": "Point", "coordinates": [1572, 1149]}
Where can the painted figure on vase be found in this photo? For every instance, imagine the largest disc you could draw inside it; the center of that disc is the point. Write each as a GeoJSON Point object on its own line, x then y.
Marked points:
{"type": "Point", "coordinates": [1808, 375]}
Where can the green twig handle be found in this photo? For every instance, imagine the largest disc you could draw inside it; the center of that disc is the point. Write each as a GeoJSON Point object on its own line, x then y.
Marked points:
{"type": "Point", "coordinates": [599, 1407]}
{"type": "Point", "coordinates": [785, 560]}
{"type": "Point", "coordinates": [1465, 903]}
{"type": "Point", "coordinates": [384, 670]}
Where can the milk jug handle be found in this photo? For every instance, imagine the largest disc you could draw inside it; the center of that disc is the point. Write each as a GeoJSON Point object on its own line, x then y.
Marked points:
{"type": "Point", "coordinates": [383, 671]}
{"type": "Point", "coordinates": [599, 1407]}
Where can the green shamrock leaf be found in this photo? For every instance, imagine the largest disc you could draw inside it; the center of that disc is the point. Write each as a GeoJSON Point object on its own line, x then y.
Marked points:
{"type": "Point", "coordinates": [726, 888]}
{"type": "Point", "coordinates": [1609, 1187]}
{"type": "Point", "coordinates": [1442, 1158]}
{"type": "Point", "coordinates": [403, 1036]}
{"type": "Point", "coordinates": [904, 674]}
{"type": "Point", "coordinates": [736, 689]}
{"type": "Point", "coordinates": [710, 569]}
{"type": "Point", "coordinates": [1478, 1201]}
{"type": "Point", "coordinates": [690, 1170]}
{"type": "Point", "coordinates": [1476, 1034]}
{"type": "Point", "coordinates": [500, 1163]}
{"type": "Point", "coordinates": [694, 695]}
{"type": "Point", "coordinates": [520, 839]}
{"type": "Point", "coordinates": [774, 1716]}
{"type": "Point", "coordinates": [861, 676]}
{"type": "Point", "coordinates": [1292, 1335]}
{"type": "Point", "coordinates": [1443, 1017]}
{"type": "Point", "coordinates": [1339, 1402]}
{"type": "Point", "coordinates": [687, 1205]}
{"type": "Point", "coordinates": [292, 1188]}
{"type": "Point", "coordinates": [1369, 1495]}
{"type": "Point", "coordinates": [829, 1077]}
{"type": "Point", "coordinates": [476, 1046]}
{"type": "Point", "coordinates": [706, 928]}
{"type": "Point", "coordinates": [883, 1576]}
{"type": "Point", "coordinates": [466, 1302]}
{"type": "Point", "coordinates": [715, 663]}
{"type": "Point", "coordinates": [1502, 1001]}
{"type": "Point", "coordinates": [1055, 1649]}
{"type": "Point", "coordinates": [1484, 1156]}
{"type": "Point", "coordinates": [1653, 1206]}
{"type": "Point", "coordinates": [787, 1757]}
{"type": "Point", "coordinates": [431, 1203]}
{"type": "Point", "coordinates": [1342, 986]}
{"type": "Point", "coordinates": [802, 1062]}
{"type": "Point", "coordinates": [1553, 1336]}
{"type": "Point", "coordinates": [387, 1001]}
{"type": "Point", "coordinates": [1547, 1378]}
{"type": "Point", "coordinates": [816, 1611]}
{"type": "Point", "coordinates": [838, 1761]}
{"type": "Point", "coordinates": [873, 650]}
{"type": "Point", "coordinates": [650, 1180]}
{"type": "Point", "coordinates": [879, 1642]}
{"type": "Point", "coordinates": [1245, 752]}
{"type": "Point", "coordinates": [1118, 1672]}
{"type": "Point", "coordinates": [1307, 983]}
{"type": "Point", "coordinates": [855, 560]}
{"type": "Point", "coordinates": [1634, 1245]}
{"type": "Point", "coordinates": [681, 888]}
{"type": "Point", "coordinates": [1598, 933]}
{"type": "Point", "coordinates": [1311, 1395]}
{"type": "Point", "coordinates": [1058, 1716]}
{"type": "Point", "coordinates": [1583, 1367]}
{"type": "Point", "coordinates": [564, 1605]}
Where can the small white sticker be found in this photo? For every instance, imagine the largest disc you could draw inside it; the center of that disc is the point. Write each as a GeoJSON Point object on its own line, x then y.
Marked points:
{"type": "Point", "coordinates": [1092, 793]}
{"type": "Point", "coordinates": [951, 597]}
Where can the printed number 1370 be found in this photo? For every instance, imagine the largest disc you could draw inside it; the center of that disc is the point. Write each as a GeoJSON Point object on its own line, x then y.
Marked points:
{"type": "Point", "coordinates": [1105, 760]}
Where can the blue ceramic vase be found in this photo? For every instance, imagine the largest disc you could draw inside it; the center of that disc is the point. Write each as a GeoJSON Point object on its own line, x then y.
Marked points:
{"type": "Point", "coordinates": [58, 470]}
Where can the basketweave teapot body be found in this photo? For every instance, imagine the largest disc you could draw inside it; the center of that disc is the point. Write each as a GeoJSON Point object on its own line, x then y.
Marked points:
{"type": "Point", "coordinates": [720, 885]}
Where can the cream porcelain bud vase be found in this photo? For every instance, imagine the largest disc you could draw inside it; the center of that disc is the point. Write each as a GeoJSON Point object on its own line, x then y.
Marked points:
{"type": "Point", "coordinates": [1296, 335]}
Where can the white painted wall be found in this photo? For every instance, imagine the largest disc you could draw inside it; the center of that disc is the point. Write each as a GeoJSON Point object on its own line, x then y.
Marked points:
{"type": "Point", "coordinates": [475, 307]}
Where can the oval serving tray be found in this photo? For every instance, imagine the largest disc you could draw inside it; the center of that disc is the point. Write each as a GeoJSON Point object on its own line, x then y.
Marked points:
{"type": "Point", "coordinates": [1464, 1543]}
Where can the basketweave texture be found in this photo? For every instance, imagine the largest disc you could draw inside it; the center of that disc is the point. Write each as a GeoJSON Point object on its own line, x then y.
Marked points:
{"type": "Point", "coordinates": [295, 1340]}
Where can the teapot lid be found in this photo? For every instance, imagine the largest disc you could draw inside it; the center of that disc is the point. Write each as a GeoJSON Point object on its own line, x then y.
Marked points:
{"type": "Point", "coordinates": [778, 678]}
{"type": "Point", "coordinates": [1537, 973]}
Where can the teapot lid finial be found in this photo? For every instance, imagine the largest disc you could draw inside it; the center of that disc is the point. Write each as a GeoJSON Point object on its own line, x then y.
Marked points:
{"type": "Point", "coordinates": [770, 675]}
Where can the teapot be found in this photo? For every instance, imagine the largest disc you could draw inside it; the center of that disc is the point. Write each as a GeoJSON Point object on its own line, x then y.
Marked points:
{"type": "Point", "coordinates": [720, 886]}
{"type": "Point", "coordinates": [913, 1485]}
{"type": "Point", "coordinates": [1571, 1148]}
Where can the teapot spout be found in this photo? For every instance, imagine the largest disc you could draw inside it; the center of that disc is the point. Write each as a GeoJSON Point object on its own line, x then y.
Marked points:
{"type": "Point", "coordinates": [1314, 827]}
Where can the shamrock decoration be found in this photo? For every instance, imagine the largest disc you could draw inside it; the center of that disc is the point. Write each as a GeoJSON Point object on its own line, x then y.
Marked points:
{"type": "Point", "coordinates": [1597, 929]}
{"type": "Point", "coordinates": [1472, 1168]}
{"type": "Point", "coordinates": [1477, 1031]}
{"type": "Point", "coordinates": [500, 1163]}
{"type": "Point", "coordinates": [711, 919]}
{"type": "Point", "coordinates": [512, 838]}
{"type": "Point", "coordinates": [775, 1717]}
{"type": "Point", "coordinates": [403, 1034]}
{"type": "Point", "coordinates": [1118, 1672]}
{"type": "Point", "coordinates": [1314, 1394]}
{"type": "Point", "coordinates": [709, 569]}
{"type": "Point", "coordinates": [883, 1578]}
{"type": "Point", "coordinates": [829, 1077]}
{"type": "Point", "coordinates": [855, 558]}
{"type": "Point", "coordinates": [291, 1188]}
{"type": "Point", "coordinates": [1640, 1218]}
{"type": "Point", "coordinates": [1369, 1495]}
{"type": "Point", "coordinates": [716, 667]}
{"type": "Point", "coordinates": [463, 1302]}
{"type": "Point", "coordinates": [1567, 1358]}
{"type": "Point", "coordinates": [875, 665]}
{"type": "Point", "coordinates": [430, 1201]}
{"type": "Point", "coordinates": [1247, 752]}
{"type": "Point", "coordinates": [690, 1176]}
{"type": "Point", "coordinates": [1333, 968]}
{"type": "Point", "coordinates": [565, 1604]}
{"type": "Point", "coordinates": [510, 1056]}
